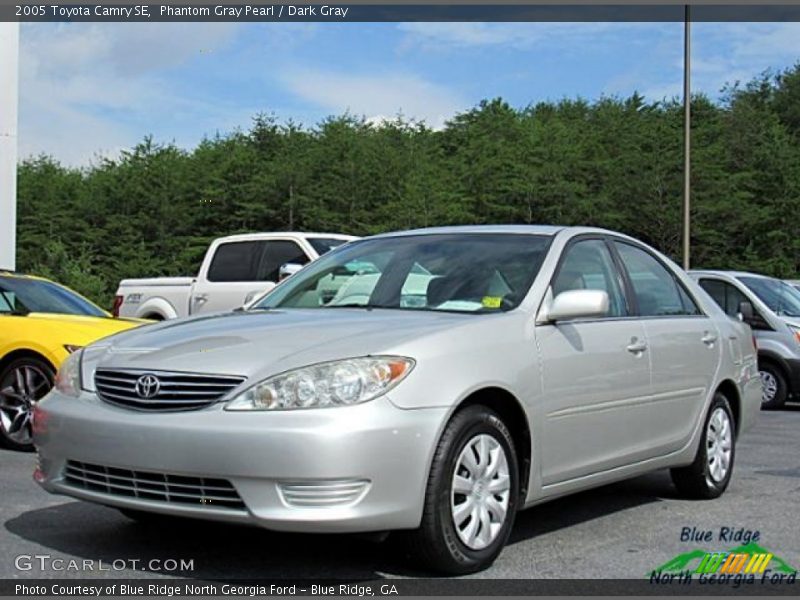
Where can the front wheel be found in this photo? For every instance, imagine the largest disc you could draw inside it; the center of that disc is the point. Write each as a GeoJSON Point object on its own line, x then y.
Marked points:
{"type": "Point", "coordinates": [773, 386]}
{"type": "Point", "coordinates": [23, 383]}
{"type": "Point", "coordinates": [708, 476]}
{"type": "Point", "coordinates": [471, 497]}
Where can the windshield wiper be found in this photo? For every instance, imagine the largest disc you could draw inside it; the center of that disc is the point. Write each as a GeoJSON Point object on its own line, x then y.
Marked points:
{"type": "Point", "coordinates": [355, 305]}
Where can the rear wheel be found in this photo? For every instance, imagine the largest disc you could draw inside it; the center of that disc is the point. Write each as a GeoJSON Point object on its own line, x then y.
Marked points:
{"type": "Point", "coordinates": [23, 383]}
{"type": "Point", "coordinates": [774, 389]}
{"type": "Point", "coordinates": [708, 476]}
{"type": "Point", "coordinates": [472, 495]}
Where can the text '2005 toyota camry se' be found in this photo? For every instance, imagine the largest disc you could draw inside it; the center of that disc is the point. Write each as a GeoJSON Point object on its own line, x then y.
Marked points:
{"type": "Point", "coordinates": [429, 382]}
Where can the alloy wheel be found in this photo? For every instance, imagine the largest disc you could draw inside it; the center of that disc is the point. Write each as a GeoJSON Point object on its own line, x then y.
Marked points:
{"type": "Point", "coordinates": [20, 390]}
{"type": "Point", "coordinates": [719, 440]}
{"type": "Point", "coordinates": [769, 386]}
{"type": "Point", "coordinates": [480, 492]}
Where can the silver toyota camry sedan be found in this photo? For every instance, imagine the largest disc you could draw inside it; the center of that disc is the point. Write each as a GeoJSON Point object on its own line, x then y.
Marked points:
{"type": "Point", "coordinates": [430, 383]}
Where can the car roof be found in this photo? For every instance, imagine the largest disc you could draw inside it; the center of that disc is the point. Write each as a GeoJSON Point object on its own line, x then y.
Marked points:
{"type": "Point", "coordinates": [269, 234]}
{"type": "Point", "coordinates": [547, 230]}
{"type": "Point", "coordinates": [735, 274]}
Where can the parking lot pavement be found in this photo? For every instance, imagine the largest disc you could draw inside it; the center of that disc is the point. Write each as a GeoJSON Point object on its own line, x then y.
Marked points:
{"type": "Point", "coordinates": [619, 531]}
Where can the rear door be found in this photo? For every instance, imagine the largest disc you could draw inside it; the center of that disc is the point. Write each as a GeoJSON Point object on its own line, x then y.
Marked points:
{"type": "Point", "coordinates": [240, 270]}
{"type": "Point", "coordinates": [595, 372]}
{"type": "Point", "coordinates": [684, 348]}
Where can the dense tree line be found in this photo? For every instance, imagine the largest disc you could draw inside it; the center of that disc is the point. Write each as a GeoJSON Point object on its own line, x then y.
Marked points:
{"type": "Point", "coordinates": [615, 162]}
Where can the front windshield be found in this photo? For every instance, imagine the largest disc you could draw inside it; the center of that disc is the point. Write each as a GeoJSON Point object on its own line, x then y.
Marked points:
{"type": "Point", "coordinates": [779, 296]}
{"type": "Point", "coordinates": [475, 272]}
{"type": "Point", "coordinates": [21, 295]}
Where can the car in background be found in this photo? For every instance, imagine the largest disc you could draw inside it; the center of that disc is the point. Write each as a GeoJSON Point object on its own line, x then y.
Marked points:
{"type": "Point", "coordinates": [775, 321]}
{"type": "Point", "coordinates": [443, 380]}
{"type": "Point", "coordinates": [41, 324]}
{"type": "Point", "coordinates": [235, 270]}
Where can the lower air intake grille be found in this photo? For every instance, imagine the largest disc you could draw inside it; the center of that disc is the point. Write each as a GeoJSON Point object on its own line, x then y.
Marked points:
{"type": "Point", "coordinates": [323, 494]}
{"type": "Point", "coordinates": [162, 390]}
{"type": "Point", "coordinates": [147, 485]}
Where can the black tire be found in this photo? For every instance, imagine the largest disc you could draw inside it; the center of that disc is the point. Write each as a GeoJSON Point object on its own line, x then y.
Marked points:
{"type": "Point", "coordinates": [18, 400]}
{"type": "Point", "coordinates": [698, 481]}
{"type": "Point", "coordinates": [772, 374]}
{"type": "Point", "coordinates": [436, 544]}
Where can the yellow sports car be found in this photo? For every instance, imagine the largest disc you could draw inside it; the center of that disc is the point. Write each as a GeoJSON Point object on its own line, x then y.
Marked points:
{"type": "Point", "coordinates": [41, 323]}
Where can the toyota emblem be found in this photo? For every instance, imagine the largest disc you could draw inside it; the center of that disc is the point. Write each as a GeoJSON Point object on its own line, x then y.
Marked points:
{"type": "Point", "coordinates": [147, 386]}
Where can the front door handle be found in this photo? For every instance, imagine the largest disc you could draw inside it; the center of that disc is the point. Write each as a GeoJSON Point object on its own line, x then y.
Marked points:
{"type": "Point", "coordinates": [636, 346]}
{"type": "Point", "coordinates": [708, 339]}
{"type": "Point", "coordinates": [200, 298]}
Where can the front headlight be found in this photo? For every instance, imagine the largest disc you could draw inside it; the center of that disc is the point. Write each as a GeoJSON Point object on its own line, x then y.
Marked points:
{"type": "Point", "coordinates": [68, 378]}
{"type": "Point", "coordinates": [337, 383]}
{"type": "Point", "coordinates": [795, 332]}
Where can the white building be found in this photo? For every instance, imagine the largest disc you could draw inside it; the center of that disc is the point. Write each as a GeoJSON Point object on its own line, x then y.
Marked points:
{"type": "Point", "coordinates": [9, 63]}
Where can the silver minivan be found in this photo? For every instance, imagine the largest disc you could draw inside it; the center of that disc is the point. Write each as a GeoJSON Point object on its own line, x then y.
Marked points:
{"type": "Point", "coordinates": [775, 321]}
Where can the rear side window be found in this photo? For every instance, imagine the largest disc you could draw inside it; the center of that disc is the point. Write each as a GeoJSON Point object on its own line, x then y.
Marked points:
{"type": "Point", "coordinates": [658, 292]}
{"type": "Point", "coordinates": [236, 261]}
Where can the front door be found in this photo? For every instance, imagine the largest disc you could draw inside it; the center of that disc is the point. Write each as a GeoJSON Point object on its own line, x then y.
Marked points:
{"type": "Point", "coordinates": [595, 373]}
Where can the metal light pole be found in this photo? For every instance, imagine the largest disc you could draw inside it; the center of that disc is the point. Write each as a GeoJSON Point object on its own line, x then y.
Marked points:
{"type": "Point", "coordinates": [687, 146]}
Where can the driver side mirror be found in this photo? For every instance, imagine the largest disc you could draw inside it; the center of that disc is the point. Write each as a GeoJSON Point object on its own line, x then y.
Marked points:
{"type": "Point", "coordinates": [576, 304]}
{"type": "Point", "coordinates": [287, 270]}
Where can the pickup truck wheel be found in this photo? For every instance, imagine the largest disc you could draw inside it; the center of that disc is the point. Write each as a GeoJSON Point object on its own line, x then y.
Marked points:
{"type": "Point", "coordinates": [23, 383]}
{"type": "Point", "coordinates": [471, 497]}
{"type": "Point", "coordinates": [708, 476]}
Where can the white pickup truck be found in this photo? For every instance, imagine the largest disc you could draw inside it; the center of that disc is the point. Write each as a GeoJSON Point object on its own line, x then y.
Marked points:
{"type": "Point", "coordinates": [235, 270]}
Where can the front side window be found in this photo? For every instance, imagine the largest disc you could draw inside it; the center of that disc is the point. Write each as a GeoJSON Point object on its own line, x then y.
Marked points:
{"type": "Point", "coordinates": [726, 295]}
{"type": "Point", "coordinates": [658, 292]}
{"type": "Point", "coordinates": [276, 254]}
{"type": "Point", "coordinates": [460, 272]}
{"type": "Point", "coordinates": [587, 265]}
{"type": "Point", "coordinates": [715, 289]}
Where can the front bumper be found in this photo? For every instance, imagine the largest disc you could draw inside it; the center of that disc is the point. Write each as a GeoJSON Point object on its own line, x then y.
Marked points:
{"type": "Point", "coordinates": [793, 372]}
{"type": "Point", "coordinates": [346, 469]}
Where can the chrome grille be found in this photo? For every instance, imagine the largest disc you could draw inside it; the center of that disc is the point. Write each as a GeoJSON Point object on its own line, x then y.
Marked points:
{"type": "Point", "coordinates": [175, 390]}
{"type": "Point", "coordinates": [147, 485]}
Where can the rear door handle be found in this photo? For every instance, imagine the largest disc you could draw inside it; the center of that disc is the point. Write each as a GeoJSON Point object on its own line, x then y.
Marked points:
{"type": "Point", "coordinates": [200, 298]}
{"type": "Point", "coordinates": [636, 346]}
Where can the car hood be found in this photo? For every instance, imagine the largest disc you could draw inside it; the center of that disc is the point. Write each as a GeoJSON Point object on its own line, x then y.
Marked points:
{"type": "Point", "coordinates": [81, 329]}
{"type": "Point", "coordinates": [793, 321]}
{"type": "Point", "coordinates": [261, 343]}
